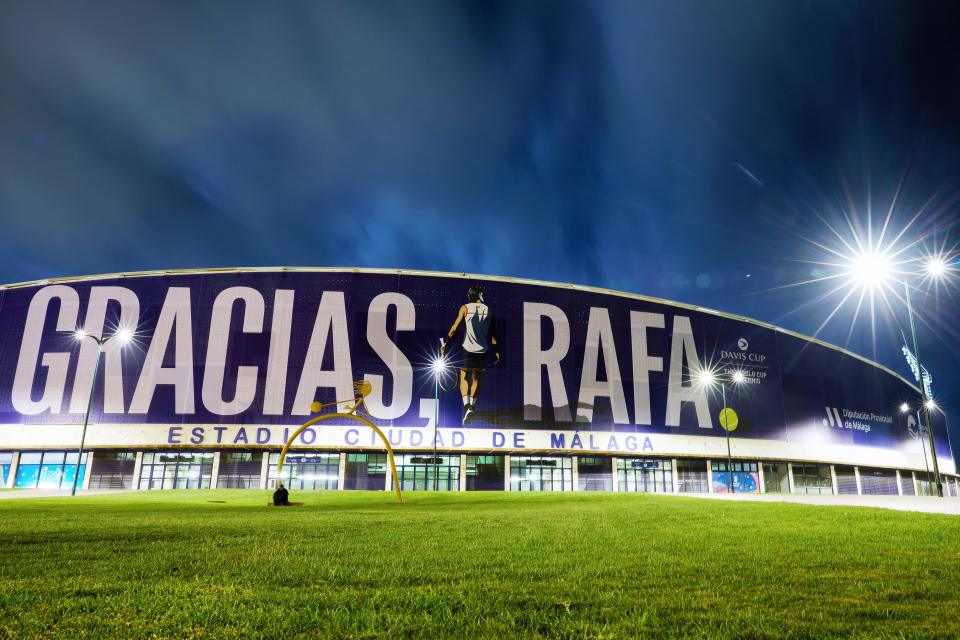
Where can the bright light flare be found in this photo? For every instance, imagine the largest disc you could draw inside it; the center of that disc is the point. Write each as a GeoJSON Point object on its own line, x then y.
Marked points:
{"type": "Point", "coordinates": [124, 335]}
{"type": "Point", "coordinates": [79, 334]}
{"type": "Point", "coordinates": [705, 377]}
{"type": "Point", "coordinates": [870, 269]}
{"type": "Point", "coordinates": [904, 408]}
{"type": "Point", "coordinates": [439, 365]}
{"type": "Point", "coordinates": [931, 404]}
{"type": "Point", "coordinates": [870, 263]}
{"type": "Point", "coordinates": [738, 377]}
{"type": "Point", "coordinates": [936, 267]}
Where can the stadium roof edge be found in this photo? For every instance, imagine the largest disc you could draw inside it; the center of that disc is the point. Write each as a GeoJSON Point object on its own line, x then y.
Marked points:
{"type": "Point", "coordinates": [449, 274]}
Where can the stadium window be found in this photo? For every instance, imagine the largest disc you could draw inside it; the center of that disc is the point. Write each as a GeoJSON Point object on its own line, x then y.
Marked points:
{"type": "Point", "coordinates": [176, 470]}
{"type": "Point", "coordinates": [240, 469]}
{"type": "Point", "coordinates": [51, 470]}
{"type": "Point", "coordinates": [645, 475]}
{"type": "Point", "coordinates": [692, 476]}
{"type": "Point", "coordinates": [594, 474]}
{"type": "Point", "coordinates": [484, 473]}
{"type": "Point", "coordinates": [48, 470]}
{"type": "Point", "coordinates": [541, 473]}
{"type": "Point", "coordinates": [925, 484]}
{"type": "Point", "coordinates": [415, 471]}
{"type": "Point", "coordinates": [112, 469]}
{"type": "Point", "coordinates": [812, 478]}
{"type": "Point", "coordinates": [6, 459]}
{"type": "Point", "coordinates": [366, 471]}
{"type": "Point", "coordinates": [28, 470]}
{"type": "Point", "coordinates": [775, 477]}
{"type": "Point", "coordinates": [308, 471]}
{"type": "Point", "coordinates": [745, 476]}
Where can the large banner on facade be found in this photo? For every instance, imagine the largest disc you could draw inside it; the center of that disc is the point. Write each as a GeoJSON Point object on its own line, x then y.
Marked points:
{"type": "Point", "coordinates": [258, 347]}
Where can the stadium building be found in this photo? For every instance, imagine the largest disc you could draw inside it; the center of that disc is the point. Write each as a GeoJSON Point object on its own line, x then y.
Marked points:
{"type": "Point", "coordinates": [543, 387]}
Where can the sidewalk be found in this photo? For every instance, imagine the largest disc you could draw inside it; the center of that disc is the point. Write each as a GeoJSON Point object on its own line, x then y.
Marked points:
{"type": "Point", "coordinates": [53, 493]}
{"type": "Point", "coordinates": [926, 504]}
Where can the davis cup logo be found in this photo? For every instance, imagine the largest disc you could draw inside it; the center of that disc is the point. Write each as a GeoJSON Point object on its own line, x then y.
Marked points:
{"type": "Point", "coordinates": [742, 344]}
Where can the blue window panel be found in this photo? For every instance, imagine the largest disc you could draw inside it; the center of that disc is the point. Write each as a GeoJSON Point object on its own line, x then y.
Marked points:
{"type": "Point", "coordinates": [6, 474]}
{"type": "Point", "coordinates": [743, 482]}
{"type": "Point", "coordinates": [27, 476]}
{"type": "Point", "coordinates": [68, 471]}
{"type": "Point", "coordinates": [50, 476]}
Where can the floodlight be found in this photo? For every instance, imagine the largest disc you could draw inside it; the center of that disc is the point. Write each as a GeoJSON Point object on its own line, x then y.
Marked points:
{"type": "Point", "coordinates": [931, 404]}
{"type": "Point", "coordinates": [936, 267]}
{"type": "Point", "coordinates": [738, 377]}
{"type": "Point", "coordinates": [705, 377]}
{"type": "Point", "coordinates": [79, 334]}
{"type": "Point", "coordinates": [904, 408]}
{"type": "Point", "coordinates": [870, 269]}
{"type": "Point", "coordinates": [877, 267]}
{"type": "Point", "coordinates": [124, 335]}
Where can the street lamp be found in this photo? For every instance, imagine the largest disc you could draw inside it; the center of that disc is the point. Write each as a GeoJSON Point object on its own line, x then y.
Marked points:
{"type": "Point", "coordinates": [929, 406]}
{"type": "Point", "coordinates": [935, 269]}
{"type": "Point", "coordinates": [123, 336]}
{"type": "Point", "coordinates": [439, 367]}
{"type": "Point", "coordinates": [874, 268]}
{"type": "Point", "coordinates": [728, 418]}
{"type": "Point", "coordinates": [905, 408]}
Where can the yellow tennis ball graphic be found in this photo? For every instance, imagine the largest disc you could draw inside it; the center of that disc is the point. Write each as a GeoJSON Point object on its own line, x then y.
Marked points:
{"type": "Point", "coordinates": [728, 419]}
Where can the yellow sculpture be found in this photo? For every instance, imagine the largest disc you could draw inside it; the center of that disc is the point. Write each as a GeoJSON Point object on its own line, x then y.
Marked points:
{"type": "Point", "coordinates": [361, 390]}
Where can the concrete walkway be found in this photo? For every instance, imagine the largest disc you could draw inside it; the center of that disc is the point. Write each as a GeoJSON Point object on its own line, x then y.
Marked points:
{"type": "Point", "coordinates": [926, 504]}
{"type": "Point", "coordinates": [53, 493]}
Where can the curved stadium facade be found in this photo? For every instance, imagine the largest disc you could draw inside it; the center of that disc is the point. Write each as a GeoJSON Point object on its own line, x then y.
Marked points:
{"type": "Point", "coordinates": [594, 390]}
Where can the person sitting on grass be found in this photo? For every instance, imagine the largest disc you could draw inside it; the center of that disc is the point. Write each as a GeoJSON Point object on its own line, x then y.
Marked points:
{"type": "Point", "coordinates": [280, 497]}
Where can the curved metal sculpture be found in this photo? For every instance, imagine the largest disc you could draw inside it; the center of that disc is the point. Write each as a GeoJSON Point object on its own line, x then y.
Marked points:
{"type": "Point", "coordinates": [361, 390]}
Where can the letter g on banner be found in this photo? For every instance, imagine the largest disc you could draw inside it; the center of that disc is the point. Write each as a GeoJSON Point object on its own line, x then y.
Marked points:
{"type": "Point", "coordinates": [56, 363]}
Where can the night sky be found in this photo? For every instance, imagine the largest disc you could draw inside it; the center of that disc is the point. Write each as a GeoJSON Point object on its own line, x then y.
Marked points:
{"type": "Point", "coordinates": [694, 151]}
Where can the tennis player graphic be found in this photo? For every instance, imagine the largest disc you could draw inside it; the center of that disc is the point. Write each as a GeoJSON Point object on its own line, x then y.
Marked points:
{"type": "Point", "coordinates": [479, 341]}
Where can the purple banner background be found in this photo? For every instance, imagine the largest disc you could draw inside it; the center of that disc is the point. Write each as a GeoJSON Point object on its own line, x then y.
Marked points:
{"type": "Point", "coordinates": [793, 383]}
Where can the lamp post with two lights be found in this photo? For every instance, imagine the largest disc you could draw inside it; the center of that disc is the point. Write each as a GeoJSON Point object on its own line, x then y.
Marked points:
{"type": "Point", "coordinates": [875, 268]}
{"type": "Point", "coordinates": [123, 336]}
{"type": "Point", "coordinates": [728, 418]}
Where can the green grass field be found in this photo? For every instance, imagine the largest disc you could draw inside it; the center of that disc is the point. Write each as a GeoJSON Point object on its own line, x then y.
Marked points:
{"type": "Point", "coordinates": [357, 565]}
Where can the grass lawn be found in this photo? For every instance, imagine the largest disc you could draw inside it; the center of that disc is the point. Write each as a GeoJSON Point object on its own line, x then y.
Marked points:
{"type": "Point", "coordinates": [581, 565]}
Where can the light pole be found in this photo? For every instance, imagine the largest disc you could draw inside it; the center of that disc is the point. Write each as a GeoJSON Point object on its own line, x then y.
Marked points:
{"type": "Point", "coordinates": [709, 378]}
{"type": "Point", "coordinates": [123, 336]}
{"type": "Point", "coordinates": [923, 446]}
{"type": "Point", "coordinates": [439, 367]}
{"type": "Point", "coordinates": [874, 268]}
{"type": "Point", "coordinates": [935, 271]}
{"type": "Point", "coordinates": [927, 407]}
